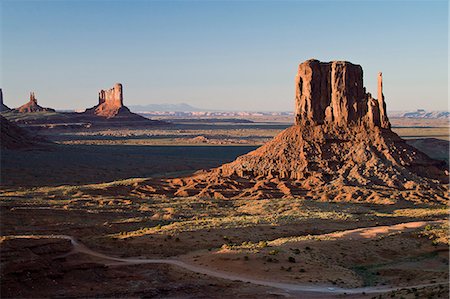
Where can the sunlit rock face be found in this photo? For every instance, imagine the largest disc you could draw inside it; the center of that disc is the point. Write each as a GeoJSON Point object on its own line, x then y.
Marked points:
{"type": "Point", "coordinates": [334, 93]}
{"type": "Point", "coordinates": [110, 103]}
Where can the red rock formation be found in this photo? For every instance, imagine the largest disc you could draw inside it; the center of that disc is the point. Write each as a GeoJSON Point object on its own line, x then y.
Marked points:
{"type": "Point", "coordinates": [110, 104]}
{"type": "Point", "coordinates": [341, 140]}
{"type": "Point", "coordinates": [334, 93]}
{"type": "Point", "coordinates": [32, 106]}
{"type": "Point", "coordinates": [3, 107]}
{"type": "Point", "coordinates": [384, 121]}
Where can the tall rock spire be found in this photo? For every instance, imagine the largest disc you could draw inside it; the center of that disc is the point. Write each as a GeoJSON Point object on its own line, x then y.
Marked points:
{"type": "Point", "coordinates": [33, 98]}
{"type": "Point", "coordinates": [384, 121]}
{"type": "Point", "coordinates": [380, 86]}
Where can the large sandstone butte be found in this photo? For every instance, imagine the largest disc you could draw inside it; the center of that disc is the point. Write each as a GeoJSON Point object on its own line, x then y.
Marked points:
{"type": "Point", "coordinates": [110, 105]}
{"type": "Point", "coordinates": [32, 106]}
{"type": "Point", "coordinates": [333, 93]}
{"type": "Point", "coordinates": [340, 148]}
{"type": "Point", "coordinates": [3, 107]}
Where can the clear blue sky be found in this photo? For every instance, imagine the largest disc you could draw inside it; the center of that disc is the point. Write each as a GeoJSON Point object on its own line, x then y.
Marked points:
{"type": "Point", "coordinates": [218, 54]}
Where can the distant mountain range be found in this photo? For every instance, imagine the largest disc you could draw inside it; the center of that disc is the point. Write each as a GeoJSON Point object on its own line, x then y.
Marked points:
{"type": "Point", "coordinates": [182, 107]}
{"type": "Point", "coordinates": [420, 113]}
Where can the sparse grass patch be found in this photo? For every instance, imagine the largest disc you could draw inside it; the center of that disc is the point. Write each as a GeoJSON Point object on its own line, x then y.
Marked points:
{"type": "Point", "coordinates": [438, 234]}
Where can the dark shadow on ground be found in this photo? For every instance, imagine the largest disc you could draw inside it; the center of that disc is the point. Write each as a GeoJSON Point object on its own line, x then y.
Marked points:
{"type": "Point", "coordinates": [86, 164]}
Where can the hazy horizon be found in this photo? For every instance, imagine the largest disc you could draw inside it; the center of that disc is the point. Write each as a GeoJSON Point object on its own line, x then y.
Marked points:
{"type": "Point", "coordinates": [218, 55]}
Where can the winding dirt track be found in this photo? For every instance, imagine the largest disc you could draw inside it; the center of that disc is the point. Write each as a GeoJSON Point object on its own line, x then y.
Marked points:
{"type": "Point", "coordinates": [368, 232]}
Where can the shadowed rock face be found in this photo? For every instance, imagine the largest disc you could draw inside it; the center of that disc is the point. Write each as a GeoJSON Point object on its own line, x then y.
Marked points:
{"type": "Point", "coordinates": [340, 148]}
{"type": "Point", "coordinates": [32, 106]}
{"type": "Point", "coordinates": [334, 93]}
{"type": "Point", "coordinates": [15, 137]}
{"type": "Point", "coordinates": [3, 107]}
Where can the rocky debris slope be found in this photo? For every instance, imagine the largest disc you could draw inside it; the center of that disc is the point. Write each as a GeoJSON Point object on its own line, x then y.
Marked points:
{"type": "Point", "coordinates": [15, 137]}
{"type": "Point", "coordinates": [32, 106]}
{"type": "Point", "coordinates": [3, 107]}
{"type": "Point", "coordinates": [341, 147]}
{"type": "Point", "coordinates": [110, 105]}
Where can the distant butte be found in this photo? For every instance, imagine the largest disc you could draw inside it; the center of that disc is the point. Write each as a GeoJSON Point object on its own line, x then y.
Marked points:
{"type": "Point", "coordinates": [341, 140]}
{"type": "Point", "coordinates": [32, 106]}
{"type": "Point", "coordinates": [3, 107]}
{"type": "Point", "coordinates": [110, 105]}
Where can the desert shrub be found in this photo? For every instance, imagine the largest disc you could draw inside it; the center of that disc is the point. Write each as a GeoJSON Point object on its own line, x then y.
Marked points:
{"type": "Point", "coordinates": [291, 259]}
{"type": "Point", "coordinates": [296, 251]}
{"type": "Point", "coordinates": [274, 252]}
{"type": "Point", "coordinates": [262, 244]}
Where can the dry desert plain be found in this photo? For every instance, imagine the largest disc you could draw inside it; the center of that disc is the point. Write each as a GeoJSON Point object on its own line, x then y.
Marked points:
{"type": "Point", "coordinates": [73, 227]}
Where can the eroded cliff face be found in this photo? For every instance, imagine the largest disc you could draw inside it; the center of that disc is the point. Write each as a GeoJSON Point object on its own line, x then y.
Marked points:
{"type": "Point", "coordinates": [333, 93]}
{"type": "Point", "coordinates": [32, 106]}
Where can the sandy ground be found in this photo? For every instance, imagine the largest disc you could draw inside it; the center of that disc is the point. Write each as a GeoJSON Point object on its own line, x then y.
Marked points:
{"type": "Point", "coordinates": [64, 190]}
{"type": "Point", "coordinates": [238, 274]}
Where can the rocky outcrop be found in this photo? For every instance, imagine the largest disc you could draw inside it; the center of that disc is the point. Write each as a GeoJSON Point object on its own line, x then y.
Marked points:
{"type": "Point", "coordinates": [340, 148]}
{"type": "Point", "coordinates": [32, 106]}
{"type": "Point", "coordinates": [3, 107]}
{"type": "Point", "coordinates": [334, 93]}
{"type": "Point", "coordinates": [15, 137]}
{"type": "Point", "coordinates": [110, 104]}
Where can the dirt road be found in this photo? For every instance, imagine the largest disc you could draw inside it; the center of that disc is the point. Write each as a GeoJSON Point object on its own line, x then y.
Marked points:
{"type": "Point", "coordinates": [290, 288]}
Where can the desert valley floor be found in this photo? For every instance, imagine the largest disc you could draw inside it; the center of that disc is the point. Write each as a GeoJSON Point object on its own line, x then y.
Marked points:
{"type": "Point", "coordinates": [73, 226]}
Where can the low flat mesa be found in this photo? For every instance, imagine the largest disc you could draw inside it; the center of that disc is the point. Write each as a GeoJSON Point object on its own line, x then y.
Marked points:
{"type": "Point", "coordinates": [340, 148]}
